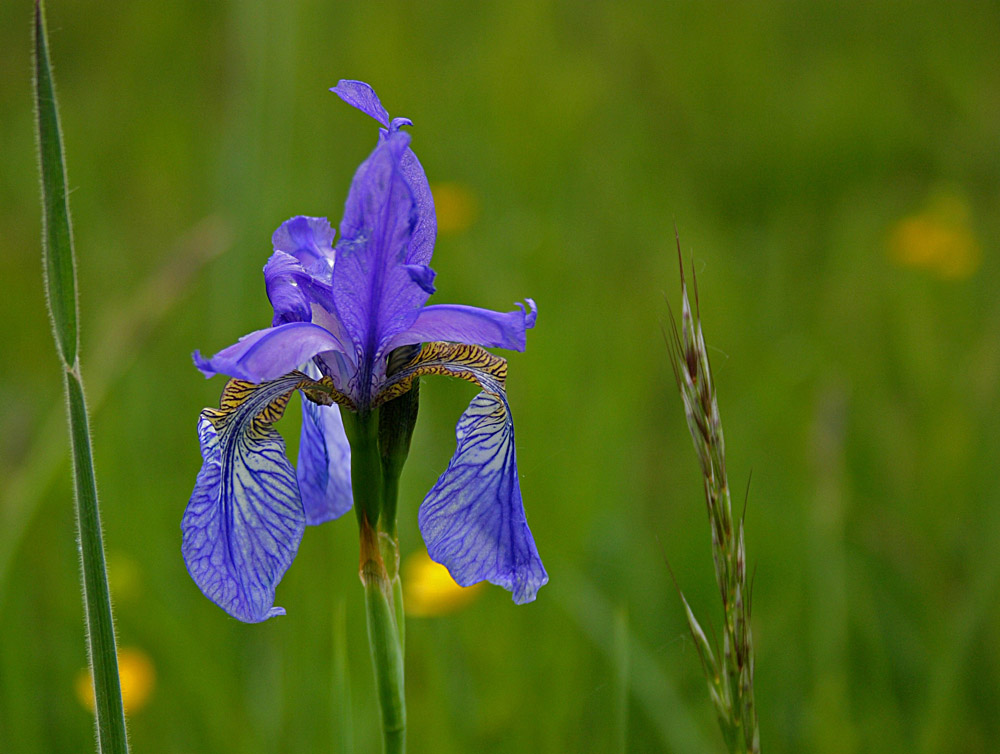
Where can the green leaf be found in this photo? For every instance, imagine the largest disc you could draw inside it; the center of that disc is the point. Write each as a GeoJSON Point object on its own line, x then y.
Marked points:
{"type": "Point", "coordinates": [60, 288]}
{"type": "Point", "coordinates": [57, 236]}
{"type": "Point", "coordinates": [111, 736]}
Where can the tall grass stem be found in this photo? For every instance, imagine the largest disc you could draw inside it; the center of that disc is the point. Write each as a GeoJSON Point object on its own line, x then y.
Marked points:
{"type": "Point", "coordinates": [729, 670]}
{"type": "Point", "coordinates": [59, 267]}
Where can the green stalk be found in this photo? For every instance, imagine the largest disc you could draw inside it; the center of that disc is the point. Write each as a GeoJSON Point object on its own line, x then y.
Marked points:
{"type": "Point", "coordinates": [397, 419]}
{"type": "Point", "coordinates": [366, 466]}
{"type": "Point", "coordinates": [387, 656]}
{"type": "Point", "coordinates": [59, 266]}
{"type": "Point", "coordinates": [383, 610]}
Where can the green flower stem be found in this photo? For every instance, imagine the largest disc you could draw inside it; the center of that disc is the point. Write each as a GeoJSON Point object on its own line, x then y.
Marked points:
{"type": "Point", "coordinates": [397, 597]}
{"type": "Point", "coordinates": [59, 266]}
{"type": "Point", "coordinates": [387, 653]}
{"type": "Point", "coordinates": [395, 430]}
{"type": "Point", "coordinates": [366, 466]}
{"type": "Point", "coordinates": [379, 548]}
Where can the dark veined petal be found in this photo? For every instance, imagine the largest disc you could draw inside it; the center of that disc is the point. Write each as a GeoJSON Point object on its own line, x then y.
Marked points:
{"type": "Point", "coordinates": [324, 467]}
{"type": "Point", "coordinates": [466, 362]}
{"type": "Point", "coordinates": [470, 324]}
{"type": "Point", "coordinates": [473, 519]}
{"type": "Point", "coordinates": [310, 241]}
{"type": "Point", "coordinates": [268, 354]}
{"type": "Point", "coordinates": [244, 522]}
{"type": "Point", "coordinates": [377, 294]}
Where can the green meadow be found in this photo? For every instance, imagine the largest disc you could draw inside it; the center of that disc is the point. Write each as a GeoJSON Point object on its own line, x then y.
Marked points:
{"type": "Point", "coordinates": [833, 172]}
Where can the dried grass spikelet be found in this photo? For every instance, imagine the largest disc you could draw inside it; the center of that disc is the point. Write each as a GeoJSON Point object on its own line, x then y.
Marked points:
{"type": "Point", "coordinates": [729, 672]}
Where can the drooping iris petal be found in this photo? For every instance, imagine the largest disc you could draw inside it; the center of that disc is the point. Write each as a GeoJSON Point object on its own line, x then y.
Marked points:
{"type": "Point", "coordinates": [244, 522]}
{"type": "Point", "coordinates": [375, 293]}
{"type": "Point", "coordinates": [324, 466]}
{"type": "Point", "coordinates": [464, 361]}
{"type": "Point", "coordinates": [268, 354]}
{"type": "Point", "coordinates": [473, 519]}
{"type": "Point", "coordinates": [470, 324]}
{"type": "Point", "coordinates": [310, 241]}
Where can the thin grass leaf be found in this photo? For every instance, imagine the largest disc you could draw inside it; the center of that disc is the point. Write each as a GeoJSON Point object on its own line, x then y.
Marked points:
{"type": "Point", "coordinates": [60, 288]}
{"type": "Point", "coordinates": [57, 236]}
{"type": "Point", "coordinates": [654, 692]}
{"type": "Point", "coordinates": [620, 652]}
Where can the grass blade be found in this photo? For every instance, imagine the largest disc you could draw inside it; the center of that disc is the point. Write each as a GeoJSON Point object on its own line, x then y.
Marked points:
{"type": "Point", "coordinates": [60, 289]}
{"type": "Point", "coordinates": [57, 236]}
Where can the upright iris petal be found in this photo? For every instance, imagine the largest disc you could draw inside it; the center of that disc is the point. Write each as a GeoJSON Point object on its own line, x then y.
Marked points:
{"type": "Point", "coordinates": [421, 246]}
{"type": "Point", "coordinates": [375, 292]}
{"type": "Point", "coordinates": [310, 241]}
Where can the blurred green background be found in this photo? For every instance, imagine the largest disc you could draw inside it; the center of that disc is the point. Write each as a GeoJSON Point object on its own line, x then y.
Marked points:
{"type": "Point", "coordinates": [833, 170]}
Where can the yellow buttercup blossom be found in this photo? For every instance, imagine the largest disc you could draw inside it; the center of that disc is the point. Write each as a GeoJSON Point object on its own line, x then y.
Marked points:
{"type": "Point", "coordinates": [456, 206]}
{"type": "Point", "coordinates": [429, 590]}
{"type": "Point", "coordinates": [938, 239]}
{"type": "Point", "coordinates": [136, 675]}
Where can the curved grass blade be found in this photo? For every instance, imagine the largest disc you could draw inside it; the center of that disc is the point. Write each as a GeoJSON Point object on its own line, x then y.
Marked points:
{"type": "Point", "coordinates": [60, 289]}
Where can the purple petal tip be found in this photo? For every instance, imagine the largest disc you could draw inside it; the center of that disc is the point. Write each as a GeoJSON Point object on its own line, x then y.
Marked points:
{"type": "Point", "coordinates": [204, 365]}
{"type": "Point", "coordinates": [530, 315]}
{"type": "Point", "coordinates": [360, 95]}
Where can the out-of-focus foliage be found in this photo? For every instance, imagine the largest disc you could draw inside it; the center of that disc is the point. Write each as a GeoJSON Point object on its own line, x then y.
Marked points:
{"type": "Point", "coordinates": [833, 169]}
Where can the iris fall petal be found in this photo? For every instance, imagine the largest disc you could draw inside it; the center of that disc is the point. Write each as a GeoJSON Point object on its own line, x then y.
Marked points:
{"type": "Point", "coordinates": [473, 519]}
{"type": "Point", "coordinates": [244, 522]}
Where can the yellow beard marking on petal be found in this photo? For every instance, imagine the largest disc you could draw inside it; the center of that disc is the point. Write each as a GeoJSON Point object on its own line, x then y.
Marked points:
{"type": "Point", "coordinates": [466, 362]}
{"type": "Point", "coordinates": [238, 393]}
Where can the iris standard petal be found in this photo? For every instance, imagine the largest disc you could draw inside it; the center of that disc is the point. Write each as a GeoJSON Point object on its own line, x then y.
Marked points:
{"type": "Point", "coordinates": [375, 293]}
{"type": "Point", "coordinates": [324, 466]}
{"type": "Point", "coordinates": [244, 522]}
{"type": "Point", "coordinates": [421, 246]}
{"type": "Point", "coordinates": [470, 324]}
{"type": "Point", "coordinates": [268, 354]}
{"type": "Point", "coordinates": [293, 291]}
{"type": "Point", "coordinates": [473, 519]}
{"type": "Point", "coordinates": [285, 281]}
{"type": "Point", "coordinates": [310, 241]}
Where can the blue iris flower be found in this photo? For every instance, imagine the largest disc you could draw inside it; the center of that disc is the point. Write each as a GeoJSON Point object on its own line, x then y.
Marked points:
{"type": "Point", "coordinates": [339, 312]}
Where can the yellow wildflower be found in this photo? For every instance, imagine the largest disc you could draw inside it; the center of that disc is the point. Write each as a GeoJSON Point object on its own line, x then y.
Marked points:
{"type": "Point", "coordinates": [429, 590]}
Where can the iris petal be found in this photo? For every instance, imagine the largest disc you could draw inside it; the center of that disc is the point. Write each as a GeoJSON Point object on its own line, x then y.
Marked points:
{"type": "Point", "coordinates": [310, 241]}
{"type": "Point", "coordinates": [360, 95]}
{"type": "Point", "coordinates": [473, 518]}
{"type": "Point", "coordinates": [376, 294]}
{"type": "Point", "coordinates": [470, 324]}
{"type": "Point", "coordinates": [286, 282]}
{"type": "Point", "coordinates": [244, 522]}
{"type": "Point", "coordinates": [324, 466]}
{"type": "Point", "coordinates": [268, 354]}
{"type": "Point", "coordinates": [421, 246]}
